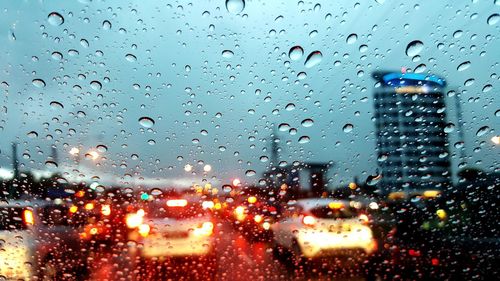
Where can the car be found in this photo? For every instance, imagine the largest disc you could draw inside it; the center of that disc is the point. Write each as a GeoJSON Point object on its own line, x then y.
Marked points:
{"type": "Point", "coordinates": [254, 218]}
{"type": "Point", "coordinates": [172, 228]}
{"type": "Point", "coordinates": [312, 229]}
{"type": "Point", "coordinates": [39, 234]}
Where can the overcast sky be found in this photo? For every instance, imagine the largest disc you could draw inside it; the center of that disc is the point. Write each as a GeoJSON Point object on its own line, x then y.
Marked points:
{"type": "Point", "coordinates": [167, 62]}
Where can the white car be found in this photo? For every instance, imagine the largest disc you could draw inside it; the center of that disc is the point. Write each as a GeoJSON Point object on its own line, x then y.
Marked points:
{"type": "Point", "coordinates": [321, 227]}
{"type": "Point", "coordinates": [37, 241]}
{"type": "Point", "coordinates": [172, 228]}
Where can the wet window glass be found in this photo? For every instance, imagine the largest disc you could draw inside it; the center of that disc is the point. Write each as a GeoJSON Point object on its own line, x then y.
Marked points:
{"type": "Point", "coordinates": [249, 140]}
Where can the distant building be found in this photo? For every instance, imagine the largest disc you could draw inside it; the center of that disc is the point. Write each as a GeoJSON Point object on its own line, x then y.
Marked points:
{"type": "Point", "coordinates": [410, 117]}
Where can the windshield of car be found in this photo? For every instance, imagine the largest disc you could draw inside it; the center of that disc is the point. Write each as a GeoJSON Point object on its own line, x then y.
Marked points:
{"type": "Point", "coordinates": [258, 114]}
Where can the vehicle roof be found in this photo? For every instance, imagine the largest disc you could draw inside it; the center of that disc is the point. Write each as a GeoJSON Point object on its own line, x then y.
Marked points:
{"type": "Point", "coordinates": [311, 203]}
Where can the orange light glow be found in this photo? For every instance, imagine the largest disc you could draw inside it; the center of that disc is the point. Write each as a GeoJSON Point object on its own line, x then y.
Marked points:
{"type": "Point", "coordinates": [177, 203]}
{"type": "Point", "coordinates": [28, 217]}
{"type": "Point", "coordinates": [206, 229]}
{"type": "Point", "coordinates": [257, 218]}
{"type": "Point", "coordinates": [93, 231]}
{"type": "Point", "coordinates": [89, 206]}
{"type": "Point", "coordinates": [236, 182]}
{"type": "Point", "coordinates": [266, 225]}
{"type": "Point", "coordinates": [73, 209]}
{"type": "Point", "coordinates": [363, 218]}
{"type": "Point", "coordinates": [207, 205]}
{"type": "Point", "coordinates": [336, 205]}
{"type": "Point", "coordinates": [134, 220]}
{"type": "Point", "coordinates": [80, 193]}
{"type": "Point", "coordinates": [252, 199]}
{"type": "Point", "coordinates": [239, 212]}
{"type": "Point", "coordinates": [106, 210]}
{"type": "Point", "coordinates": [144, 230]}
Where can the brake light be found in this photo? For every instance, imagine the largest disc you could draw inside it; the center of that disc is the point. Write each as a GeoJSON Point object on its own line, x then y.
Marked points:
{"type": "Point", "coordinates": [177, 203]}
{"type": "Point", "coordinates": [28, 217]}
{"type": "Point", "coordinates": [414, 253]}
{"type": "Point", "coordinates": [134, 220]}
{"type": "Point", "coordinates": [309, 220]}
{"type": "Point", "coordinates": [206, 229]}
{"type": "Point", "coordinates": [336, 205]}
{"type": "Point", "coordinates": [106, 210]}
{"type": "Point", "coordinates": [89, 206]}
{"type": "Point", "coordinates": [144, 229]}
{"type": "Point", "coordinates": [435, 261]}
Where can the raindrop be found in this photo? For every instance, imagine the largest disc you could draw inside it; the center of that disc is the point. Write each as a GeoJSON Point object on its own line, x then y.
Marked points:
{"type": "Point", "coordinates": [101, 148]}
{"type": "Point", "coordinates": [487, 88]}
{"type": "Point", "coordinates": [11, 35]}
{"type": "Point", "coordinates": [156, 192]}
{"type": "Point", "coordinates": [106, 25]}
{"type": "Point", "coordinates": [304, 139]}
{"type": "Point", "coordinates": [39, 83]}
{"type": "Point", "coordinates": [382, 157]}
{"type": "Point", "coordinates": [373, 179]}
{"type": "Point", "coordinates": [301, 75]}
{"type": "Point", "coordinates": [283, 127]}
{"type": "Point", "coordinates": [222, 148]}
{"type": "Point", "coordinates": [32, 134]}
{"type": "Point", "coordinates": [73, 52]}
{"type": "Point", "coordinates": [450, 127]}
{"type": "Point", "coordinates": [295, 53]}
{"type": "Point", "coordinates": [130, 57]}
{"type": "Point", "coordinates": [414, 48]}
{"type": "Point", "coordinates": [483, 130]}
{"type": "Point", "coordinates": [227, 54]}
{"type": "Point", "coordinates": [57, 56]}
{"type": "Point", "coordinates": [307, 122]}
{"type": "Point", "coordinates": [146, 122]}
{"type": "Point", "coordinates": [56, 105]}
{"type": "Point", "coordinates": [493, 19]}
{"type": "Point", "coordinates": [151, 142]}
{"type": "Point", "coordinates": [235, 6]}
{"type": "Point", "coordinates": [50, 164]}
{"type": "Point", "coordinates": [463, 66]}
{"type": "Point", "coordinates": [313, 59]}
{"type": "Point", "coordinates": [351, 39]}
{"type": "Point", "coordinates": [55, 19]}
{"type": "Point", "coordinates": [84, 43]}
{"type": "Point", "coordinates": [347, 128]}
{"type": "Point", "coordinates": [313, 33]}
{"type": "Point", "coordinates": [96, 85]}
{"type": "Point", "coordinates": [250, 173]}
{"type": "Point", "coordinates": [290, 107]}
{"type": "Point", "coordinates": [264, 158]}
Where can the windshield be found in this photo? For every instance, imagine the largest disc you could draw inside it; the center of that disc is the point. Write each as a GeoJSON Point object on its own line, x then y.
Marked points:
{"type": "Point", "coordinates": [250, 139]}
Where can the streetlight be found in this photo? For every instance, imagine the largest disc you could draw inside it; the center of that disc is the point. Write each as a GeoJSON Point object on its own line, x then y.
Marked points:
{"type": "Point", "coordinates": [207, 168]}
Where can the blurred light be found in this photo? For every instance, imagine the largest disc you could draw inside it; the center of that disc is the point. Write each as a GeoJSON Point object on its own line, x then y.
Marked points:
{"type": "Point", "coordinates": [495, 139]}
{"type": "Point", "coordinates": [364, 218]}
{"type": "Point", "coordinates": [240, 213]}
{"type": "Point", "coordinates": [441, 214]}
{"type": "Point", "coordinates": [336, 205]}
{"type": "Point", "coordinates": [431, 193]}
{"type": "Point", "coordinates": [89, 206]}
{"type": "Point", "coordinates": [207, 204]}
{"type": "Point", "coordinates": [217, 206]}
{"type": "Point", "coordinates": [93, 154]}
{"type": "Point", "coordinates": [207, 168]}
{"type": "Point", "coordinates": [266, 225]}
{"type": "Point", "coordinates": [134, 220]}
{"type": "Point", "coordinates": [28, 217]}
{"type": "Point", "coordinates": [73, 209]}
{"type": "Point", "coordinates": [373, 205]}
{"type": "Point", "coordinates": [414, 253]}
{"type": "Point", "coordinates": [177, 203]}
{"type": "Point", "coordinates": [206, 229]}
{"type": "Point", "coordinates": [80, 194]}
{"type": "Point", "coordinates": [353, 185]}
{"type": "Point", "coordinates": [252, 199]}
{"type": "Point", "coordinates": [106, 210]}
{"type": "Point", "coordinates": [141, 212]}
{"type": "Point", "coordinates": [74, 151]}
{"type": "Point", "coordinates": [257, 218]}
{"type": "Point", "coordinates": [435, 261]}
{"type": "Point", "coordinates": [93, 230]}
{"type": "Point", "coordinates": [309, 220]}
{"type": "Point", "coordinates": [144, 196]}
{"type": "Point", "coordinates": [144, 230]}
{"type": "Point", "coordinates": [236, 182]}
{"type": "Point", "coordinates": [188, 168]}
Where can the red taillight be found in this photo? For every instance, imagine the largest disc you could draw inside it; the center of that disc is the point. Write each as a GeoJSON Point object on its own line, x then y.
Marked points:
{"type": "Point", "coordinates": [414, 253]}
{"type": "Point", "coordinates": [435, 261]}
{"type": "Point", "coordinates": [309, 220]}
{"type": "Point", "coordinates": [28, 217]}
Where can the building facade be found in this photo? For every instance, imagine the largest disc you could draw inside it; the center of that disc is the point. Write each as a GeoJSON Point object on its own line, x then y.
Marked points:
{"type": "Point", "coordinates": [410, 118]}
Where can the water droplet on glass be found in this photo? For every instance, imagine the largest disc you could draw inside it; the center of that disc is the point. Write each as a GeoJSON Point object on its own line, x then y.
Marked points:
{"type": "Point", "coordinates": [264, 158]}
{"type": "Point", "coordinates": [313, 33]}
{"type": "Point", "coordinates": [56, 105]}
{"type": "Point", "coordinates": [227, 54]}
{"type": "Point", "coordinates": [307, 122]}
{"type": "Point", "coordinates": [301, 75]}
{"type": "Point", "coordinates": [55, 19]}
{"type": "Point", "coordinates": [130, 57]}
{"type": "Point", "coordinates": [32, 134]}
{"type": "Point", "coordinates": [235, 6]}
{"type": "Point", "coordinates": [347, 128]}
{"type": "Point", "coordinates": [457, 34]}
{"type": "Point", "coordinates": [39, 83]}
{"type": "Point", "coordinates": [250, 173]}
{"type": "Point", "coordinates": [283, 127]}
{"type": "Point", "coordinates": [96, 85]}
{"type": "Point", "coordinates": [106, 25]}
{"type": "Point", "coordinates": [420, 68]}
{"type": "Point", "coordinates": [50, 164]}
{"type": "Point", "coordinates": [373, 179]}
{"type": "Point", "coordinates": [487, 88]}
{"type": "Point", "coordinates": [57, 56]}
{"type": "Point", "coordinates": [493, 19]}
{"type": "Point", "coordinates": [101, 148]}
{"type": "Point", "coordinates": [483, 130]}
{"type": "Point", "coordinates": [146, 122]}
{"type": "Point", "coordinates": [414, 48]}
{"type": "Point", "coordinates": [463, 66]}
{"type": "Point", "coordinates": [290, 107]}
{"type": "Point", "coordinates": [351, 39]}
{"type": "Point", "coordinates": [295, 53]}
{"type": "Point", "coordinates": [304, 139]}
{"type": "Point", "coordinates": [450, 127]}
{"type": "Point", "coordinates": [313, 59]}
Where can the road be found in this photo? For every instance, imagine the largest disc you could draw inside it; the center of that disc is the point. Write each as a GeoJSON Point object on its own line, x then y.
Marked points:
{"type": "Point", "coordinates": [237, 260]}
